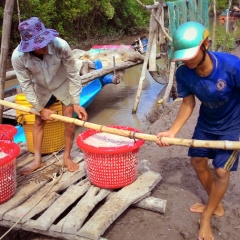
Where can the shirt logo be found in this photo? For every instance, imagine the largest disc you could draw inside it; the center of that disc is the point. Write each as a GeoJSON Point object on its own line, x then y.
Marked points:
{"type": "Point", "coordinates": [221, 84]}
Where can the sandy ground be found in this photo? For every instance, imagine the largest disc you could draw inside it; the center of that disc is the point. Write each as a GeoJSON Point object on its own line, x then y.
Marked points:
{"type": "Point", "coordinates": [179, 186]}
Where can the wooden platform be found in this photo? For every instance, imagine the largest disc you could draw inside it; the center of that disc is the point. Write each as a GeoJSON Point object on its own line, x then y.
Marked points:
{"type": "Point", "coordinates": [65, 205]}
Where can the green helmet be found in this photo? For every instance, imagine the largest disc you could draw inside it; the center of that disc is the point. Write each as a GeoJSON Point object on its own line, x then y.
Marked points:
{"type": "Point", "coordinates": [187, 40]}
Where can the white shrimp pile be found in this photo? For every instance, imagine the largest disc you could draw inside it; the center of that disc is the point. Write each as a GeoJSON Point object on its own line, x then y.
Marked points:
{"type": "Point", "coordinates": [108, 140]}
{"type": "Point", "coordinates": [2, 155]}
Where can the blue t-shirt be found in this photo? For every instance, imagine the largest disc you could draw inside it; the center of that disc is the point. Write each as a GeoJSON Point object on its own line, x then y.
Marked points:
{"type": "Point", "coordinates": [219, 93]}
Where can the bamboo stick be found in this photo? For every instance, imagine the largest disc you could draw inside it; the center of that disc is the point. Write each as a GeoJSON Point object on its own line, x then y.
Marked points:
{"type": "Point", "coordinates": [229, 145]}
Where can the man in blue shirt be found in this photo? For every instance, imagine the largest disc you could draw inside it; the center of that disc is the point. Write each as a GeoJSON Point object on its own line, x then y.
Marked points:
{"type": "Point", "coordinates": [214, 78]}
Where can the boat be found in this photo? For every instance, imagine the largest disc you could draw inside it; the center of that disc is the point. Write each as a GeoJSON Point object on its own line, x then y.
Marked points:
{"type": "Point", "coordinates": [140, 44]}
{"type": "Point", "coordinates": [232, 15]}
{"type": "Point", "coordinates": [100, 48]}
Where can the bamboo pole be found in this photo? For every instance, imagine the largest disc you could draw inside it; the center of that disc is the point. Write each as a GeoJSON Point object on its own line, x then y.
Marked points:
{"type": "Point", "coordinates": [6, 30]}
{"type": "Point", "coordinates": [229, 145]}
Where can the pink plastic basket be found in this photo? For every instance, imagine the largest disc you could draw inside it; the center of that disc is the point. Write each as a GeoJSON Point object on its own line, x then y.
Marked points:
{"type": "Point", "coordinates": [111, 167]}
{"type": "Point", "coordinates": [8, 169]}
{"type": "Point", "coordinates": [7, 132]}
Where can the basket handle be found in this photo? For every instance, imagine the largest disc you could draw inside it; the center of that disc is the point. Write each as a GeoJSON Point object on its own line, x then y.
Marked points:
{"type": "Point", "coordinates": [2, 135]}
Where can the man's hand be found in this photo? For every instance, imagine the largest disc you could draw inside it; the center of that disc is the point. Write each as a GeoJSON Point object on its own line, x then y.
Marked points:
{"type": "Point", "coordinates": [80, 111]}
{"type": "Point", "coordinates": [45, 114]}
{"type": "Point", "coordinates": [161, 143]}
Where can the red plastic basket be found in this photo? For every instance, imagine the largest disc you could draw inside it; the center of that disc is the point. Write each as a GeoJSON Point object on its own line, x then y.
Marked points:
{"type": "Point", "coordinates": [7, 132]}
{"type": "Point", "coordinates": [110, 167]}
{"type": "Point", "coordinates": [8, 169]}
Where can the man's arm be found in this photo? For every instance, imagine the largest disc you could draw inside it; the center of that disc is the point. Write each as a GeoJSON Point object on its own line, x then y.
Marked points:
{"type": "Point", "coordinates": [185, 111]}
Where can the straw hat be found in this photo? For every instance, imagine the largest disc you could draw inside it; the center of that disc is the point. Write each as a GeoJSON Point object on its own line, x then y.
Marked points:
{"type": "Point", "coordinates": [34, 35]}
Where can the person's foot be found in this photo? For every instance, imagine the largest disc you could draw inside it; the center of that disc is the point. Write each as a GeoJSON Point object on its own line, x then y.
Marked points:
{"type": "Point", "coordinates": [199, 208]}
{"type": "Point", "coordinates": [70, 165]}
{"type": "Point", "coordinates": [31, 167]}
{"type": "Point", "coordinates": [205, 231]}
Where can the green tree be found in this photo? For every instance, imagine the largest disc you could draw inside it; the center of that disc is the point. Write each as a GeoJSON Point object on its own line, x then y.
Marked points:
{"type": "Point", "coordinates": [82, 20]}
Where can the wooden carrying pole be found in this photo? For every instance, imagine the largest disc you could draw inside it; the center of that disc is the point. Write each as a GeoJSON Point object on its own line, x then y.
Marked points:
{"type": "Point", "coordinates": [230, 145]}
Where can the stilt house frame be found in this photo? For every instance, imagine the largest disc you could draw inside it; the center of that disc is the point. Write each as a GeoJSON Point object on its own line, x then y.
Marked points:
{"type": "Point", "coordinates": [165, 19]}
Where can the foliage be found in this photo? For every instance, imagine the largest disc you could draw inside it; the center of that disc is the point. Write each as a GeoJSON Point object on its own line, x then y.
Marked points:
{"type": "Point", "coordinates": [225, 43]}
{"type": "Point", "coordinates": [82, 20]}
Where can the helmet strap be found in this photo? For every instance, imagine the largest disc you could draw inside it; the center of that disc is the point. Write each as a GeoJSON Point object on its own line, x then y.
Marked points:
{"type": "Point", "coordinates": [204, 55]}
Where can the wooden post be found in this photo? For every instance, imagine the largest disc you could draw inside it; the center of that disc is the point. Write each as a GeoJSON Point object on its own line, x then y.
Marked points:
{"type": "Point", "coordinates": [214, 25]}
{"type": "Point", "coordinates": [6, 30]}
{"type": "Point", "coordinates": [170, 83]}
{"type": "Point", "coordinates": [152, 29]}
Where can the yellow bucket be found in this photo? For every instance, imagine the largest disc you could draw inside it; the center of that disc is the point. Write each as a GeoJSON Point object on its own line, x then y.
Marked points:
{"type": "Point", "coordinates": [53, 139]}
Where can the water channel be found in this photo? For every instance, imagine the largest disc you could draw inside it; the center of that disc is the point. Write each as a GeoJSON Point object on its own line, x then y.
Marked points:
{"type": "Point", "coordinates": [114, 104]}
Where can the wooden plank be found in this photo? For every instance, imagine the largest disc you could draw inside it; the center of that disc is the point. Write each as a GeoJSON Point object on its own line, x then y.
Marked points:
{"type": "Point", "coordinates": [57, 235]}
{"type": "Point", "coordinates": [34, 201]}
{"type": "Point", "coordinates": [21, 195]}
{"type": "Point", "coordinates": [47, 201]}
{"type": "Point", "coordinates": [153, 204]}
{"type": "Point", "coordinates": [45, 173]}
{"type": "Point", "coordinates": [61, 204]}
{"type": "Point", "coordinates": [58, 184]}
{"type": "Point", "coordinates": [69, 178]}
{"type": "Point", "coordinates": [149, 203]}
{"type": "Point", "coordinates": [52, 168]}
{"type": "Point", "coordinates": [117, 204]}
{"type": "Point", "coordinates": [74, 220]}
{"type": "Point", "coordinates": [24, 160]}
